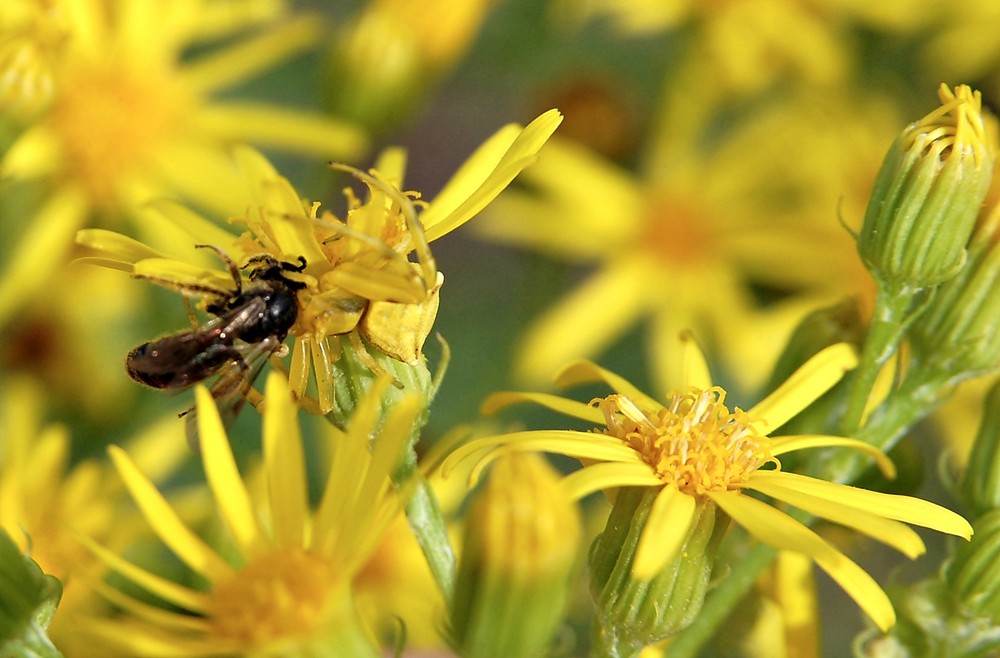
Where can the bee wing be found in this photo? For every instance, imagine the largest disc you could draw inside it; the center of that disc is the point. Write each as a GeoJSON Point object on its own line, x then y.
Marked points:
{"type": "Point", "coordinates": [233, 385]}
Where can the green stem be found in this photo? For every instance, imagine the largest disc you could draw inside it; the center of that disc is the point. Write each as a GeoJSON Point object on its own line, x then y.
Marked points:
{"type": "Point", "coordinates": [428, 524]}
{"type": "Point", "coordinates": [721, 602]}
{"type": "Point", "coordinates": [918, 395]}
{"type": "Point", "coordinates": [888, 325]}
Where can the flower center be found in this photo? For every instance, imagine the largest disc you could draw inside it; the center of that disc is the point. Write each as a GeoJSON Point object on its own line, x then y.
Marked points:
{"type": "Point", "coordinates": [110, 121]}
{"type": "Point", "coordinates": [675, 233]}
{"type": "Point", "coordinates": [282, 594]}
{"type": "Point", "coordinates": [695, 441]}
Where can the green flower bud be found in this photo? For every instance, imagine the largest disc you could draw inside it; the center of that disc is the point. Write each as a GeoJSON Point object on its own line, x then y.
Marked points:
{"type": "Point", "coordinates": [631, 613]}
{"type": "Point", "coordinates": [959, 334]}
{"type": "Point", "coordinates": [518, 554]}
{"type": "Point", "coordinates": [27, 603]}
{"type": "Point", "coordinates": [973, 575]}
{"type": "Point", "coordinates": [928, 193]}
{"type": "Point", "coordinates": [356, 370]}
{"type": "Point", "coordinates": [956, 613]}
{"type": "Point", "coordinates": [980, 485]}
{"type": "Point", "coordinates": [359, 366]}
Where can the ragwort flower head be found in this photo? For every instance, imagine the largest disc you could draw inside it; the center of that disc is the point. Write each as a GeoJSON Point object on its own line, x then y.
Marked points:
{"type": "Point", "coordinates": [358, 280]}
{"type": "Point", "coordinates": [130, 116]}
{"type": "Point", "coordinates": [697, 451]}
{"type": "Point", "coordinates": [285, 588]}
{"type": "Point", "coordinates": [47, 502]}
{"type": "Point", "coordinates": [728, 212]}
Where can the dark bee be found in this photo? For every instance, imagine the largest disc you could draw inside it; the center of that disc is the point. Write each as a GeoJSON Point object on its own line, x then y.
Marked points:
{"type": "Point", "coordinates": [250, 324]}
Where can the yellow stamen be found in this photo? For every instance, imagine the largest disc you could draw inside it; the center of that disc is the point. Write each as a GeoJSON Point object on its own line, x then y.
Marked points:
{"type": "Point", "coordinates": [695, 441]}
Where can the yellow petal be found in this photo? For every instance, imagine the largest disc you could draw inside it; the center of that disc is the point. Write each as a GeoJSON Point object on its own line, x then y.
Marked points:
{"type": "Point", "coordinates": [280, 206]}
{"type": "Point", "coordinates": [164, 521]}
{"type": "Point", "coordinates": [892, 533]}
{"type": "Point", "coordinates": [398, 282]}
{"type": "Point", "coordinates": [279, 127]}
{"type": "Point", "coordinates": [226, 67]}
{"type": "Point", "coordinates": [284, 464]}
{"type": "Point", "coordinates": [486, 173]}
{"type": "Point", "coordinates": [781, 531]}
{"type": "Point", "coordinates": [350, 461]}
{"type": "Point", "coordinates": [167, 590]}
{"type": "Point", "coordinates": [601, 476]}
{"type": "Point", "coordinates": [298, 370]}
{"type": "Point", "coordinates": [782, 444]}
{"type": "Point", "coordinates": [891, 506]}
{"type": "Point", "coordinates": [323, 357]}
{"type": "Point", "coordinates": [583, 372]}
{"type": "Point", "coordinates": [41, 250]}
{"type": "Point", "coordinates": [166, 271]}
{"type": "Point", "coordinates": [199, 172]}
{"type": "Point", "coordinates": [608, 215]}
{"type": "Point", "coordinates": [694, 367]}
{"type": "Point", "coordinates": [795, 594]}
{"type": "Point", "coordinates": [391, 166]}
{"type": "Point", "coordinates": [171, 619]}
{"type": "Point", "coordinates": [143, 640]}
{"type": "Point", "coordinates": [606, 304]}
{"type": "Point", "coordinates": [35, 153]}
{"type": "Point", "coordinates": [116, 246]}
{"type": "Point", "coordinates": [666, 529]}
{"type": "Point", "coordinates": [498, 401]}
{"type": "Point", "coordinates": [373, 506]}
{"type": "Point", "coordinates": [201, 230]}
{"type": "Point", "coordinates": [580, 445]}
{"type": "Point", "coordinates": [231, 496]}
{"type": "Point", "coordinates": [814, 378]}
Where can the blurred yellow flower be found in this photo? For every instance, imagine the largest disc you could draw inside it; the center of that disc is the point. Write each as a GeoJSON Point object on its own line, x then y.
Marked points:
{"type": "Point", "coordinates": [698, 452]}
{"type": "Point", "coordinates": [286, 585]}
{"type": "Point", "coordinates": [961, 46]}
{"type": "Point", "coordinates": [707, 221]}
{"type": "Point", "coordinates": [46, 502]}
{"type": "Point", "coordinates": [748, 45]}
{"type": "Point", "coordinates": [71, 340]}
{"type": "Point", "coordinates": [32, 35]}
{"type": "Point", "coordinates": [132, 117]}
{"type": "Point", "coordinates": [358, 280]}
{"type": "Point", "coordinates": [395, 585]}
{"type": "Point", "coordinates": [386, 58]}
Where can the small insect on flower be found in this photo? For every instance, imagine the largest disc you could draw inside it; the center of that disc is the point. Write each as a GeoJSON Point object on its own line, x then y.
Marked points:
{"type": "Point", "coordinates": [250, 324]}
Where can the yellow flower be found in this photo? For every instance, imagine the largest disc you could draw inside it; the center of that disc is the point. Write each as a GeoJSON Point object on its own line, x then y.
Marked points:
{"type": "Point", "coordinates": [386, 58]}
{"type": "Point", "coordinates": [698, 452]}
{"type": "Point", "coordinates": [685, 241]}
{"type": "Point", "coordinates": [358, 280]}
{"type": "Point", "coordinates": [747, 45]}
{"type": "Point", "coordinates": [133, 118]}
{"type": "Point", "coordinates": [72, 340]}
{"type": "Point", "coordinates": [286, 584]}
{"type": "Point", "coordinates": [45, 501]}
{"type": "Point", "coordinates": [960, 46]}
{"type": "Point", "coordinates": [31, 38]}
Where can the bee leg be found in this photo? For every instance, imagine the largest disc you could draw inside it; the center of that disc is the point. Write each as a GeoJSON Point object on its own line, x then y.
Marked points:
{"type": "Point", "coordinates": [233, 270]}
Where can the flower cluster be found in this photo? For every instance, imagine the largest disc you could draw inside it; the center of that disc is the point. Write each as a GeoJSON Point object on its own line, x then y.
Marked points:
{"type": "Point", "coordinates": [321, 446]}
